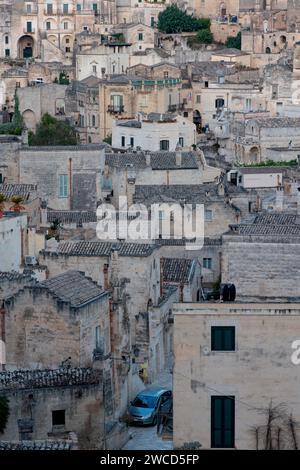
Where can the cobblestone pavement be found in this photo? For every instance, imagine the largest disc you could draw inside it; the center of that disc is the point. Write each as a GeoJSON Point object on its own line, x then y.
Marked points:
{"type": "Point", "coordinates": [146, 438]}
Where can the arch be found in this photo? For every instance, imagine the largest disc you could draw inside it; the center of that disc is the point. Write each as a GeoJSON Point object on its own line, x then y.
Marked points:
{"type": "Point", "coordinates": [25, 47]}
{"type": "Point", "coordinates": [283, 39]}
{"type": "Point", "coordinates": [253, 154]}
{"type": "Point", "coordinates": [60, 106]}
{"type": "Point", "coordinates": [66, 43]}
{"type": "Point", "coordinates": [268, 50]}
{"type": "Point", "coordinates": [53, 39]}
{"type": "Point", "coordinates": [29, 119]}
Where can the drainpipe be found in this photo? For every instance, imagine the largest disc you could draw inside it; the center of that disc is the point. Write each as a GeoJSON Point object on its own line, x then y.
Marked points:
{"type": "Point", "coordinates": [2, 337]}
{"type": "Point", "coordinates": [70, 183]}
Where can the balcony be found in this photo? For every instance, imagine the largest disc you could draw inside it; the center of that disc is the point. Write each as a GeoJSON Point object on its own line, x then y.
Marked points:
{"type": "Point", "coordinates": [172, 108]}
{"type": "Point", "coordinates": [29, 30]}
{"type": "Point", "coordinates": [115, 109]}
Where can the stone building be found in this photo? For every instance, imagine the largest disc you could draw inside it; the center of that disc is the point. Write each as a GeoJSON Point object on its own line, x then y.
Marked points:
{"type": "Point", "coordinates": [61, 405]}
{"type": "Point", "coordinates": [125, 172]}
{"type": "Point", "coordinates": [138, 299]}
{"type": "Point", "coordinates": [233, 369]}
{"type": "Point", "coordinates": [145, 11]}
{"type": "Point", "coordinates": [47, 30]}
{"type": "Point", "coordinates": [35, 101]}
{"type": "Point", "coordinates": [63, 318]}
{"type": "Point", "coordinates": [261, 257]}
{"type": "Point", "coordinates": [147, 89]}
{"type": "Point", "coordinates": [68, 177]}
{"type": "Point", "coordinates": [184, 274]}
{"type": "Point", "coordinates": [154, 132]}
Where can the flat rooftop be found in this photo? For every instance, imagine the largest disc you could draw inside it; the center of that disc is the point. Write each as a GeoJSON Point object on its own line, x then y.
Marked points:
{"type": "Point", "coordinates": [236, 308]}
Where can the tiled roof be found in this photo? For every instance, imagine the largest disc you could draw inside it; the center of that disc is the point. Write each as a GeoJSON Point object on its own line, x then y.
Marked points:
{"type": "Point", "coordinates": [195, 193]}
{"type": "Point", "coordinates": [277, 224]}
{"type": "Point", "coordinates": [158, 160]}
{"type": "Point", "coordinates": [278, 122]}
{"type": "Point", "coordinates": [13, 276]}
{"type": "Point", "coordinates": [177, 270]}
{"type": "Point", "coordinates": [36, 445]}
{"type": "Point", "coordinates": [261, 170]}
{"type": "Point", "coordinates": [183, 241]}
{"type": "Point", "coordinates": [44, 378]}
{"type": "Point", "coordinates": [98, 248]}
{"type": "Point", "coordinates": [24, 190]}
{"type": "Point", "coordinates": [73, 287]}
{"type": "Point", "coordinates": [71, 217]}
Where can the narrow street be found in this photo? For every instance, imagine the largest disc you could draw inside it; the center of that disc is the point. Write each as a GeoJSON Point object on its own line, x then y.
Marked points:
{"type": "Point", "coordinates": [145, 437]}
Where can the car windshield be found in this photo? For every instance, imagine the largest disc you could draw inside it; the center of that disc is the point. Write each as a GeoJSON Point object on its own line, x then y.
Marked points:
{"type": "Point", "coordinates": [144, 401]}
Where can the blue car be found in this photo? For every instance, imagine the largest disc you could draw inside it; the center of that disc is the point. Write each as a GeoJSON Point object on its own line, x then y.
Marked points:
{"type": "Point", "coordinates": [144, 408]}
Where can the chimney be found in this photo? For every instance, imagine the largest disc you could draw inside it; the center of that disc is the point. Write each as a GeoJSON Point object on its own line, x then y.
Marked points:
{"type": "Point", "coordinates": [148, 158]}
{"type": "Point", "coordinates": [178, 158]}
{"type": "Point", "coordinates": [44, 211]}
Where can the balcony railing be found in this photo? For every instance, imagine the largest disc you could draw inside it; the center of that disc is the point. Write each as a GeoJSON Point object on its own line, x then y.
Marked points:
{"type": "Point", "coordinates": [115, 109]}
{"type": "Point", "coordinates": [176, 107]}
{"type": "Point", "coordinates": [29, 30]}
{"type": "Point", "coordinates": [33, 11]}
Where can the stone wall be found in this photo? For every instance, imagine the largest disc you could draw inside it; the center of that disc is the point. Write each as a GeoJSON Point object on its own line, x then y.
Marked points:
{"type": "Point", "coordinates": [262, 267]}
{"type": "Point", "coordinates": [258, 371]}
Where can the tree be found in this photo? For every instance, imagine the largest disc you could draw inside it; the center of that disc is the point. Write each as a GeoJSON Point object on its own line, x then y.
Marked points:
{"type": "Point", "coordinates": [173, 20]}
{"type": "Point", "coordinates": [16, 126]}
{"type": "Point", "coordinates": [205, 36]}
{"type": "Point", "coordinates": [4, 413]}
{"type": "Point", "coordinates": [52, 131]}
{"type": "Point", "coordinates": [108, 139]}
{"type": "Point", "coordinates": [17, 207]}
{"type": "Point", "coordinates": [234, 42]}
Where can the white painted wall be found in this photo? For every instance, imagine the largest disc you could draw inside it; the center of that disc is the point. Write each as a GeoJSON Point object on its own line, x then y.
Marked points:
{"type": "Point", "coordinates": [11, 242]}
{"type": "Point", "coordinates": [148, 137]}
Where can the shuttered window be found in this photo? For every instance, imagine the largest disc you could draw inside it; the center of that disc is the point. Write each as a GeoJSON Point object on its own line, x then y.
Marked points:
{"type": "Point", "coordinates": [222, 421]}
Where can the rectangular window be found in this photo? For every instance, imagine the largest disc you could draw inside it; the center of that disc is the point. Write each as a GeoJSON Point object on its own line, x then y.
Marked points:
{"type": "Point", "coordinates": [116, 102]}
{"type": "Point", "coordinates": [63, 185]}
{"type": "Point", "coordinates": [223, 338]}
{"type": "Point", "coordinates": [181, 141]}
{"type": "Point", "coordinates": [164, 145]}
{"type": "Point", "coordinates": [1, 178]}
{"type": "Point", "coordinates": [78, 7]}
{"type": "Point", "coordinates": [95, 7]}
{"type": "Point", "coordinates": [65, 8]}
{"type": "Point", "coordinates": [140, 37]}
{"type": "Point", "coordinates": [123, 141]}
{"type": "Point", "coordinates": [28, 8]}
{"type": "Point", "coordinates": [208, 215]}
{"type": "Point", "coordinates": [131, 142]}
{"type": "Point", "coordinates": [58, 418]}
{"type": "Point", "coordinates": [152, 21]}
{"type": "Point", "coordinates": [6, 40]}
{"type": "Point", "coordinates": [65, 25]}
{"type": "Point", "coordinates": [93, 120]}
{"type": "Point", "coordinates": [248, 104]}
{"type": "Point", "coordinates": [207, 263]}
{"type": "Point", "coordinates": [219, 103]}
{"type": "Point", "coordinates": [48, 25]}
{"type": "Point", "coordinates": [49, 8]}
{"type": "Point", "coordinates": [29, 27]}
{"type": "Point", "coordinates": [198, 99]}
{"type": "Point", "coordinates": [94, 68]}
{"type": "Point", "coordinates": [222, 421]}
{"type": "Point", "coordinates": [7, 52]}
{"type": "Point", "coordinates": [97, 337]}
